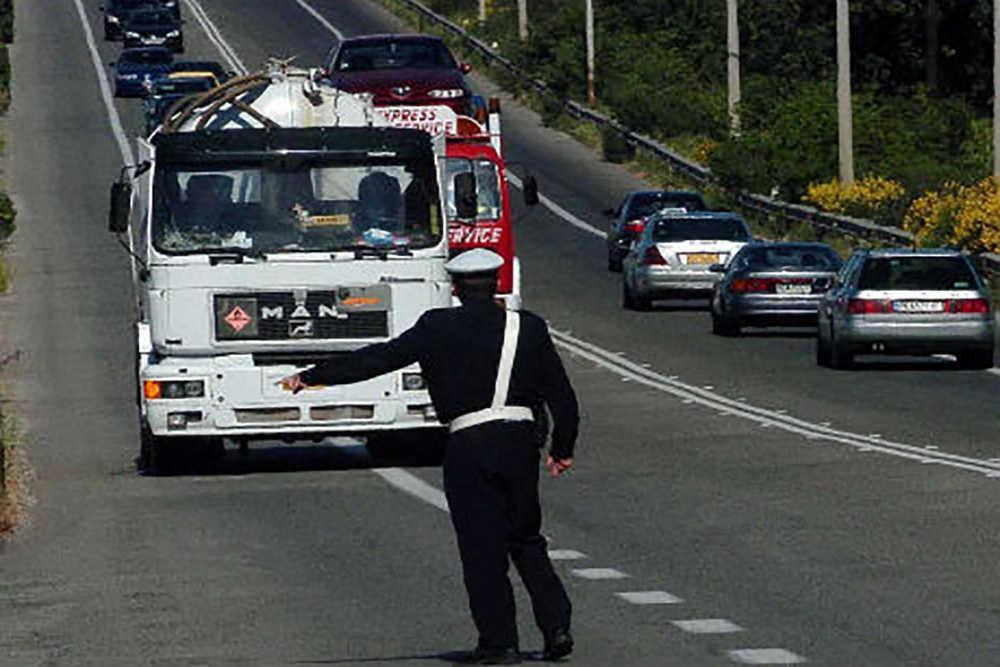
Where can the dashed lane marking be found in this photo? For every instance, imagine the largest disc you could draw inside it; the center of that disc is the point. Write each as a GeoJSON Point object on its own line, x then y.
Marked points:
{"type": "Point", "coordinates": [414, 486]}
{"type": "Point", "coordinates": [595, 573]}
{"type": "Point", "coordinates": [765, 656]}
{"type": "Point", "coordinates": [566, 554]}
{"type": "Point", "coordinates": [649, 597]}
{"type": "Point", "coordinates": [707, 626]}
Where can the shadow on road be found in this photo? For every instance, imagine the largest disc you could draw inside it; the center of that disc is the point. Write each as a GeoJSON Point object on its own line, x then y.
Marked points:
{"type": "Point", "coordinates": [450, 657]}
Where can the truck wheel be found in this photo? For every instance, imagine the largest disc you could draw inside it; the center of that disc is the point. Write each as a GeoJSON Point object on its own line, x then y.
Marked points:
{"type": "Point", "coordinates": [976, 359]}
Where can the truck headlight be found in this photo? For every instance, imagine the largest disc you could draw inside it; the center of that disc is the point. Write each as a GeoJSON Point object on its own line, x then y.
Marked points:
{"type": "Point", "coordinates": [446, 93]}
{"type": "Point", "coordinates": [413, 382]}
{"type": "Point", "coordinates": [156, 389]}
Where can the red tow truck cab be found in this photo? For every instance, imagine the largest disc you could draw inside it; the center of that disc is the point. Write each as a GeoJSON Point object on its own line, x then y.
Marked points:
{"type": "Point", "coordinates": [473, 144]}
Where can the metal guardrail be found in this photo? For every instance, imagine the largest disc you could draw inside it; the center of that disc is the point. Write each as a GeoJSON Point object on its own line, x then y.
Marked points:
{"type": "Point", "coordinates": [857, 227]}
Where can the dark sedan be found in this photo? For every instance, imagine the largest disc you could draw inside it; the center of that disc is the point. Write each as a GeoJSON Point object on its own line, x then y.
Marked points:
{"type": "Point", "coordinates": [165, 92]}
{"type": "Point", "coordinates": [135, 68]}
{"type": "Point", "coordinates": [628, 220]}
{"type": "Point", "coordinates": [152, 26]}
{"type": "Point", "coordinates": [115, 11]}
{"type": "Point", "coordinates": [773, 284]}
{"type": "Point", "coordinates": [398, 70]}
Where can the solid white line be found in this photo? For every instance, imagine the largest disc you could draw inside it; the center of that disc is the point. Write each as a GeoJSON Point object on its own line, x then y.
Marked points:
{"type": "Point", "coordinates": [319, 17]}
{"type": "Point", "coordinates": [765, 656]}
{"type": "Point", "coordinates": [559, 210]}
{"type": "Point", "coordinates": [707, 626]}
{"type": "Point", "coordinates": [650, 597]}
{"type": "Point", "coordinates": [598, 573]}
{"type": "Point", "coordinates": [689, 393]}
{"type": "Point", "coordinates": [215, 36]}
{"type": "Point", "coordinates": [102, 79]}
{"type": "Point", "coordinates": [565, 554]}
{"type": "Point", "coordinates": [414, 486]}
{"type": "Point", "coordinates": [995, 371]}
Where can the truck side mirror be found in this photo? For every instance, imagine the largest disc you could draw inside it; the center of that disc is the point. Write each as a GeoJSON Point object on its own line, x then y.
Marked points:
{"type": "Point", "coordinates": [121, 207]}
{"type": "Point", "coordinates": [530, 190]}
{"type": "Point", "coordinates": [466, 200]}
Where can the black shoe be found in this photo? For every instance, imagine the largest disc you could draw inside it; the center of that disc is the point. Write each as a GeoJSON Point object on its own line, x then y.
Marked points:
{"type": "Point", "coordinates": [558, 645]}
{"type": "Point", "coordinates": [489, 656]}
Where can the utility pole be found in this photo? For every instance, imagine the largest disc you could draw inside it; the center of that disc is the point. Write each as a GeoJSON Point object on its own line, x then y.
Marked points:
{"type": "Point", "coordinates": [996, 87]}
{"type": "Point", "coordinates": [845, 122]}
{"type": "Point", "coordinates": [733, 34]}
{"type": "Point", "coordinates": [522, 19]}
{"type": "Point", "coordinates": [591, 96]}
{"type": "Point", "coordinates": [482, 11]}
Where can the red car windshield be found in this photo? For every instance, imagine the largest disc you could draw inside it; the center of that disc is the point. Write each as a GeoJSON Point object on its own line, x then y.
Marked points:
{"type": "Point", "coordinates": [417, 54]}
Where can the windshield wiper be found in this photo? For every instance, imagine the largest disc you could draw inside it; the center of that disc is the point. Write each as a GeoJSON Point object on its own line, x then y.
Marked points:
{"type": "Point", "coordinates": [233, 255]}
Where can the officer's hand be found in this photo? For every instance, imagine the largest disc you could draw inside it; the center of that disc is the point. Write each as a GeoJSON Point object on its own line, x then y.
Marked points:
{"type": "Point", "coordinates": [558, 466]}
{"type": "Point", "coordinates": [292, 383]}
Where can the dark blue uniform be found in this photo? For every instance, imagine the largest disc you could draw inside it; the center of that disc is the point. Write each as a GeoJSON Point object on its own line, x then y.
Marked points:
{"type": "Point", "coordinates": [490, 470]}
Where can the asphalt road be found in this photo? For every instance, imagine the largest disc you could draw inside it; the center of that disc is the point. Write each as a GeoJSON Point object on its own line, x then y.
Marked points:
{"type": "Point", "coordinates": [779, 512]}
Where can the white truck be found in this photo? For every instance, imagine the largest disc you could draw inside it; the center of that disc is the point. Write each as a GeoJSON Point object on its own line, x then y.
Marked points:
{"type": "Point", "coordinates": [275, 222]}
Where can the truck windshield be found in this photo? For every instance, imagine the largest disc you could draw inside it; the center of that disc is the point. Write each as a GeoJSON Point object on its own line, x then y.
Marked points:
{"type": "Point", "coordinates": [294, 206]}
{"type": "Point", "coordinates": [487, 186]}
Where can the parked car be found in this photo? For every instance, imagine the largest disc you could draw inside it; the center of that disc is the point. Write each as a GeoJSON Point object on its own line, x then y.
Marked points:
{"type": "Point", "coordinates": [135, 67]}
{"type": "Point", "coordinates": [673, 255]}
{"type": "Point", "coordinates": [200, 69]}
{"type": "Point", "coordinates": [115, 12]}
{"type": "Point", "coordinates": [772, 284]}
{"type": "Point", "coordinates": [913, 302]}
{"type": "Point", "coordinates": [630, 217]}
{"type": "Point", "coordinates": [166, 91]}
{"type": "Point", "coordinates": [152, 26]}
{"type": "Point", "coordinates": [401, 70]}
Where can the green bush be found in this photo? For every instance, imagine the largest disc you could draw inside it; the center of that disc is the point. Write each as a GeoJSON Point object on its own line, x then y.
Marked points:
{"type": "Point", "coordinates": [615, 147]}
{"type": "Point", "coordinates": [6, 21]}
{"type": "Point", "coordinates": [7, 215]}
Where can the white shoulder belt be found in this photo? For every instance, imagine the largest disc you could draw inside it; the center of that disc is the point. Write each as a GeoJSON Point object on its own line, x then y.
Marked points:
{"type": "Point", "coordinates": [498, 411]}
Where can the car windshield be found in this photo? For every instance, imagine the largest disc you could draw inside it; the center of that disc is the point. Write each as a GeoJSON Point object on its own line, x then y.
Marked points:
{"type": "Point", "coordinates": [120, 5]}
{"type": "Point", "coordinates": [699, 229]}
{"type": "Point", "coordinates": [798, 258]}
{"type": "Point", "coordinates": [146, 56]}
{"type": "Point", "coordinates": [487, 187]}
{"type": "Point", "coordinates": [422, 54]}
{"type": "Point", "coordinates": [916, 273]}
{"type": "Point", "coordinates": [294, 206]}
{"type": "Point", "coordinates": [647, 203]}
{"type": "Point", "coordinates": [151, 17]}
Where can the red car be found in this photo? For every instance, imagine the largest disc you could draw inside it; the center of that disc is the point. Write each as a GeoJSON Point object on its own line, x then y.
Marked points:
{"type": "Point", "coordinates": [401, 70]}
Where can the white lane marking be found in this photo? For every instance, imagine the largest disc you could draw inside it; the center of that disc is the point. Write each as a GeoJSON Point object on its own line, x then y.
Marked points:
{"type": "Point", "coordinates": [707, 626]}
{"type": "Point", "coordinates": [559, 210]}
{"type": "Point", "coordinates": [691, 394]}
{"type": "Point", "coordinates": [650, 597]}
{"type": "Point", "coordinates": [995, 371]}
{"type": "Point", "coordinates": [595, 573]}
{"type": "Point", "coordinates": [765, 656]}
{"type": "Point", "coordinates": [215, 36]}
{"type": "Point", "coordinates": [319, 17]}
{"type": "Point", "coordinates": [102, 79]}
{"type": "Point", "coordinates": [414, 486]}
{"type": "Point", "coordinates": [565, 554]}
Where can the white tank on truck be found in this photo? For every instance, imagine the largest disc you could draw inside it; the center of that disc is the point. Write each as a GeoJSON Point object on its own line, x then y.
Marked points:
{"type": "Point", "coordinates": [275, 222]}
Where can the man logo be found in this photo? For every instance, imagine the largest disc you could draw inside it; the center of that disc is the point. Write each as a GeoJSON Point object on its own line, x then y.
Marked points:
{"type": "Point", "coordinates": [301, 329]}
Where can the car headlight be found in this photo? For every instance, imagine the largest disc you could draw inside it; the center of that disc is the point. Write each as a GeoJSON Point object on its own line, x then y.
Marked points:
{"type": "Point", "coordinates": [131, 35]}
{"type": "Point", "coordinates": [128, 77]}
{"type": "Point", "coordinates": [446, 93]}
{"type": "Point", "coordinates": [413, 382]}
{"type": "Point", "coordinates": [174, 33]}
{"type": "Point", "coordinates": [112, 18]}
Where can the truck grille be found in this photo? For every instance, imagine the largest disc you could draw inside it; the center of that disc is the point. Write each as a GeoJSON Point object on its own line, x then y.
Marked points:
{"type": "Point", "coordinates": [357, 313]}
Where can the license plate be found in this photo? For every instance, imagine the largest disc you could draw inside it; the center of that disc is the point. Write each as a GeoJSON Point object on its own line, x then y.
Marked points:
{"type": "Point", "coordinates": [702, 258]}
{"type": "Point", "coordinates": [792, 288]}
{"type": "Point", "coordinates": [918, 306]}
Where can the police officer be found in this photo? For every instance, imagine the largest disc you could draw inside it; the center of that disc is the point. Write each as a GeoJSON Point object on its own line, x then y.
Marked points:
{"type": "Point", "coordinates": [485, 369]}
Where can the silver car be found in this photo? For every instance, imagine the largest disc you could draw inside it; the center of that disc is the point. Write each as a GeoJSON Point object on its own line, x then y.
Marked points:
{"type": "Point", "coordinates": [673, 255]}
{"type": "Point", "coordinates": [772, 284]}
{"type": "Point", "coordinates": [915, 302]}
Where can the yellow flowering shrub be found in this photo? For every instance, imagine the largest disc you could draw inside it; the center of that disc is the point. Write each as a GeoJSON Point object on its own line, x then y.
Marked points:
{"type": "Point", "coordinates": [880, 199]}
{"type": "Point", "coordinates": [965, 216]}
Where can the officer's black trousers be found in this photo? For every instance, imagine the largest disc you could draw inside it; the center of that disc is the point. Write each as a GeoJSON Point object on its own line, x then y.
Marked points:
{"type": "Point", "coordinates": [491, 480]}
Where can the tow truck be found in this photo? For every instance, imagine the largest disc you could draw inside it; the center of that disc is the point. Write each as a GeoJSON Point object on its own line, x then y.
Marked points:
{"type": "Point", "coordinates": [274, 222]}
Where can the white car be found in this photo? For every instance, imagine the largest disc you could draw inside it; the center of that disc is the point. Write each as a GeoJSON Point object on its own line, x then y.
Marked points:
{"type": "Point", "coordinates": [673, 256]}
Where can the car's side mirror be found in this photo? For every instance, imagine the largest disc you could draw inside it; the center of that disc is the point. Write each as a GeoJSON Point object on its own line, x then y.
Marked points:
{"type": "Point", "coordinates": [121, 207]}
{"type": "Point", "coordinates": [464, 68]}
{"type": "Point", "coordinates": [531, 197]}
{"type": "Point", "coordinates": [466, 200]}
{"type": "Point", "coordinates": [717, 268]}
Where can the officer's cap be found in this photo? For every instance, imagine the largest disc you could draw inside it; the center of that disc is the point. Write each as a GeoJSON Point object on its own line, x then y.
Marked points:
{"type": "Point", "coordinates": [477, 260]}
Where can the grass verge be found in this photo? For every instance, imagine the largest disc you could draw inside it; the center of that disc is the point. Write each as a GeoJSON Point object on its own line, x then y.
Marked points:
{"type": "Point", "coordinates": [11, 497]}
